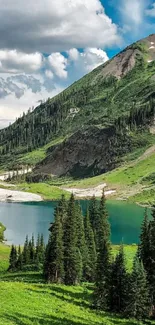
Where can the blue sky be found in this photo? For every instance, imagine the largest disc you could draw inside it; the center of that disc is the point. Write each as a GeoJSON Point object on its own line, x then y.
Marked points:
{"type": "Point", "coordinates": [47, 45]}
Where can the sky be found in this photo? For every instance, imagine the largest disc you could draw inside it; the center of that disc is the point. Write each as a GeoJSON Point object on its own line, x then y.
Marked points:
{"type": "Point", "coordinates": [46, 45]}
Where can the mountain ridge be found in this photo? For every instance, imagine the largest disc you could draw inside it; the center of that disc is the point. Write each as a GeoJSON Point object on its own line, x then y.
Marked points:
{"type": "Point", "coordinates": [92, 106]}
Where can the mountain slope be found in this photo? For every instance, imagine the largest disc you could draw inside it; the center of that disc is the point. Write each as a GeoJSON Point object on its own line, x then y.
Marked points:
{"type": "Point", "coordinates": [107, 112]}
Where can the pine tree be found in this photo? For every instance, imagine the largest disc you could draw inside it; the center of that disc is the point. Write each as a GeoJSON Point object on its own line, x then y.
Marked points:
{"type": "Point", "coordinates": [54, 258]}
{"type": "Point", "coordinates": [32, 250]}
{"type": "Point", "coordinates": [103, 220]}
{"type": "Point", "coordinates": [62, 207]}
{"type": "Point", "coordinates": [103, 259]}
{"type": "Point", "coordinates": [81, 243]}
{"type": "Point", "coordinates": [118, 283]}
{"type": "Point", "coordinates": [144, 240]}
{"type": "Point", "coordinates": [37, 251]}
{"type": "Point", "coordinates": [94, 216]}
{"type": "Point", "coordinates": [19, 263]}
{"type": "Point", "coordinates": [102, 277]}
{"type": "Point", "coordinates": [13, 259]}
{"type": "Point", "coordinates": [89, 270]}
{"type": "Point", "coordinates": [72, 260]}
{"type": "Point", "coordinates": [138, 305]}
{"type": "Point", "coordinates": [42, 249]}
{"type": "Point", "coordinates": [26, 252]}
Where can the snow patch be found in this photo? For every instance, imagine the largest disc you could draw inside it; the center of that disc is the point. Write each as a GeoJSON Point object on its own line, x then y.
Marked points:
{"type": "Point", "coordinates": [151, 47]}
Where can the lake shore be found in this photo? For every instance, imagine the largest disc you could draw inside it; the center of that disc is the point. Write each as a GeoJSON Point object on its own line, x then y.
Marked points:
{"type": "Point", "coordinates": [18, 196]}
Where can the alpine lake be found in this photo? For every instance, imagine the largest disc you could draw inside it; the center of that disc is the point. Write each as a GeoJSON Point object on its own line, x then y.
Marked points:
{"type": "Point", "coordinates": [21, 219]}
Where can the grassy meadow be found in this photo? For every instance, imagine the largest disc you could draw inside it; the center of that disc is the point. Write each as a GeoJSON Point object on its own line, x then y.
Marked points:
{"type": "Point", "coordinates": [26, 300]}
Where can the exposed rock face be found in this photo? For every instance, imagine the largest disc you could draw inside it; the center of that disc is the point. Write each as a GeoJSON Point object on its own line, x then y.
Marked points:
{"type": "Point", "coordinates": [82, 153]}
{"type": "Point", "coordinates": [86, 153]}
{"type": "Point", "coordinates": [125, 61]}
{"type": "Point", "coordinates": [121, 64]}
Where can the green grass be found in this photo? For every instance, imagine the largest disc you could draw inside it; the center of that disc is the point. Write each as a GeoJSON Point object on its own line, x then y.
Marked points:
{"type": "Point", "coordinates": [36, 156]}
{"type": "Point", "coordinates": [4, 257]}
{"type": "Point", "coordinates": [132, 174]}
{"type": "Point", "coordinates": [47, 191]}
{"type": "Point", "coordinates": [146, 197]}
{"type": "Point", "coordinates": [40, 304]}
{"type": "Point", "coordinates": [26, 300]}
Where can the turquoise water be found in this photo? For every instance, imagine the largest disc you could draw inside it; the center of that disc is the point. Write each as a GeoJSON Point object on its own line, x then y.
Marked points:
{"type": "Point", "coordinates": [21, 219]}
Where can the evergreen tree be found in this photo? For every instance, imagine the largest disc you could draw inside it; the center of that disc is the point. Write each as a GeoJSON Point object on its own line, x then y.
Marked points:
{"type": "Point", "coordinates": [13, 259]}
{"type": "Point", "coordinates": [72, 260]}
{"type": "Point", "coordinates": [26, 252]}
{"type": "Point", "coordinates": [103, 259]}
{"type": "Point", "coordinates": [81, 243]}
{"type": "Point", "coordinates": [37, 251]}
{"type": "Point", "coordinates": [42, 249]}
{"type": "Point", "coordinates": [32, 250]}
{"type": "Point", "coordinates": [145, 240]}
{"type": "Point", "coordinates": [119, 283]}
{"type": "Point", "coordinates": [62, 207]}
{"type": "Point", "coordinates": [102, 276]}
{"type": "Point", "coordinates": [94, 216]}
{"type": "Point", "coordinates": [54, 259]}
{"type": "Point", "coordinates": [19, 263]}
{"type": "Point", "coordinates": [89, 270]}
{"type": "Point", "coordinates": [104, 225]}
{"type": "Point", "coordinates": [138, 305]}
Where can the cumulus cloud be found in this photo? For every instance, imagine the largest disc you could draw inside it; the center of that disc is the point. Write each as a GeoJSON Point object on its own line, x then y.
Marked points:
{"type": "Point", "coordinates": [54, 26]}
{"type": "Point", "coordinates": [58, 64]}
{"type": "Point", "coordinates": [11, 107]}
{"type": "Point", "coordinates": [73, 54]}
{"type": "Point", "coordinates": [14, 61]}
{"type": "Point", "coordinates": [87, 60]}
{"type": "Point", "coordinates": [39, 45]}
{"type": "Point", "coordinates": [49, 74]}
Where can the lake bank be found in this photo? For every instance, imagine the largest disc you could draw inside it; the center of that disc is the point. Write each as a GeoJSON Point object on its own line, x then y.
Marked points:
{"type": "Point", "coordinates": [43, 191]}
{"type": "Point", "coordinates": [7, 195]}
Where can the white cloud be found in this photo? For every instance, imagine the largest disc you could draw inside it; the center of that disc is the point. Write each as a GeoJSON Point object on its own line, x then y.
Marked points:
{"type": "Point", "coordinates": [49, 74]}
{"type": "Point", "coordinates": [93, 57]}
{"type": "Point", "coordinates": [151, 12]}
{"type": "Point", "coordinates": [14, 61]}
{"type": "Point", "coordinates": [132, 14]}
{"type": "Point", "coordinates": [14, 107]}
{"type": "Point", "coordinates": [55, 25]}
{"type": "Point", "coordinates": [73, 54]}
{"type": "Point", "coordinates": [87, 60]}
{"type": "Point", "coordinates": [58, 64]}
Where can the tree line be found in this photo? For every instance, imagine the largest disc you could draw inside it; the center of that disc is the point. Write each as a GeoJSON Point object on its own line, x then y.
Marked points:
{"type": "Point", "coordinates": [79, 249]}
{"type": "Point", "coordinates": [31, 257]}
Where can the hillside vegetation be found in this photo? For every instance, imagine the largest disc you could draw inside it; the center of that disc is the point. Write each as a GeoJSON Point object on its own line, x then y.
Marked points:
{"type": "Point", "coordinates": [104, 116]}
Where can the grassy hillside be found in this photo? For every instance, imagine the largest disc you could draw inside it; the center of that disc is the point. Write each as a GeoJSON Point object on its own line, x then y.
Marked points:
{"type": "Point", "coordinates": [26, 300]}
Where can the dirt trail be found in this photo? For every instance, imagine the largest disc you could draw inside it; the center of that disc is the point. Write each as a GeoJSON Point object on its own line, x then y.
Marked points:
{"type": "Point", "coordinates": [146, 154]}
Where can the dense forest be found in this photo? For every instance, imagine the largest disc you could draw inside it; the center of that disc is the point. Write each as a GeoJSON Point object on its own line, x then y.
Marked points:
{"type": "Point", "coordinates": [79, 250]}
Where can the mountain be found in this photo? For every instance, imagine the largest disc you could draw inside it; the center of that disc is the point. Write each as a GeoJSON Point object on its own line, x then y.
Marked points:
{"type": "Point", "coordinates": [103, 117]}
